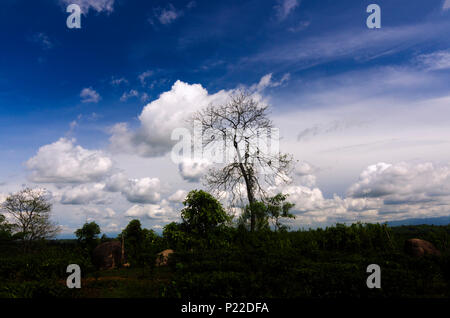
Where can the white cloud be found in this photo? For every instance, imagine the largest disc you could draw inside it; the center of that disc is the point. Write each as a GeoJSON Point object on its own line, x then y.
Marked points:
{"type": "Point", "coordinates": [84, 194]}
{"type": "Point", "coordinates": [162, 212]}
{"type": "Point", "coordinates": [97, 5]}
{"type": "Point", "coordinates": [166, 15]}
{"type": "Point", "coordinates": [116, 182]}
{"type": "Point", "coordinates": [302, 25]}
{"type": "Point", "coordinates": [384, 192]}
{"type": "Point", "coordinates": [305, 172]}
{"type": "Point", "coordinates": [285, 7]}
{"type": "Point", "coordinates": [266, 81]}
{"type": "Point", "coordinates": [3, 197]}
{"type": "Point", "coordinates": [439, 60]}
{"type": "Point", "coordinates": [349, 43]}
{"type": "Point", "coordinates": [191, 4]}
{"type": "Point", "coordinates": [145, 190]}
{"type": "Point", "coordinates": [89, 95]}
{"type": "Point", "coordinates": [65, 162]}
{"type": "Point", "coordinates": [144, 97]}
{"type": "Point", "coordinates": [403, 182]}
{"type": "Point", "coordinates": [178, 197]}
{"type": "Point", "coordinates": [160, 117]}
{"type": "Point", "coordinates": [143, 77]}
{"type": "Point", "coordinates": [328, 128]}
{"type": "Point", "coordinates": [127, 95]}
{"type": "Point", "coordinates": [193, 170]}
{"type": "Point", "coordinates": [446, 5]}
{"type": "Point", "coordinates": [117, 81]}
{"type": "Point", "coordinates": [43, 40]}
{"type": "Point", "coordinates": [95, 213]}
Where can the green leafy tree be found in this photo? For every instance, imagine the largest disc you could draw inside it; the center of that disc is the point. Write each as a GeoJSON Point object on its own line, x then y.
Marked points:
{"type": "Point", "coordinates": [271, 211]}
{"type": "Point", "coordinates": [5, 229]}
{"type": "Point", "coordinates": [259, 210]}
{"type": "Point", "coordinates": [203, 213]}
{"type": "Point", "coordinates": [88, 235]}
{"type": "Point", "coordinates": [175, 236]}
{"type": "Point", "coordinates": [133, 237]}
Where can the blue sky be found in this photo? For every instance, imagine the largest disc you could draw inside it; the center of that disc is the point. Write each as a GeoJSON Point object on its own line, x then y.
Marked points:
{"type": "Point", "coordinates": [357, 106]}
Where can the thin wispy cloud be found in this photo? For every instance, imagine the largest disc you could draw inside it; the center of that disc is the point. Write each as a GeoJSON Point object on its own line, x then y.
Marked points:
{"type": "Point", "coordinates": [89, 95]}
{"type": "Point", "coordinates": [446, 5]}
{"type": "Point", "coordinates": [435, 61]}
{"type": "Point", "coordinates": [143, 76]}
{"type": "Point", "coordinates": [285, 7]}
{"type": "Point", "coordinates": [42, 40]}
{"type": "Point", "coordinates": [165, 16]}
{"type": "Point", "coordinates": [118, 81]}
{"type": "Point", "coordinates": [344, 44]}
{"type": "Point", "coordinates": [128, 95]}
{"type": "Point", "coordinates": [96, 5]}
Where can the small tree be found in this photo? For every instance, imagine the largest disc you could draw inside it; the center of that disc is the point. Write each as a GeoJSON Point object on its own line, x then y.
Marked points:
{"type": "Point", "coordinates": [30, 210]}
{"type": "Point", "coordinates": [203, 213]}
{"type": "Point", "coordinates": [88, 235]}
{"type": "Point", "coordinates": [5, 229]}
{"type": "Point", "coordinates": [259, 210]}
{"type": "Point", "coordinates": [133, 237]}
{"type": "Point", "coordinates": [271, 210]}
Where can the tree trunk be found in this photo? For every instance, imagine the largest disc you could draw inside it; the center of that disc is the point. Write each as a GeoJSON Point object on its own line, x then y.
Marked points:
{"type": "Point", "coordinates": [248, 184]}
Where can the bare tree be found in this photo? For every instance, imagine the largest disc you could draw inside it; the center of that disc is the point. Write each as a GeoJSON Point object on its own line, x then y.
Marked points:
{"type": "Point", "coordinates": [242, 124]}
{"type": "Point", "coordinates": [30, 211]}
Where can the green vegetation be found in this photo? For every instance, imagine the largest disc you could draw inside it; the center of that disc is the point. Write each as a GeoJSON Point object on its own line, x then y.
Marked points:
{"type": "Point", "coordinates": [215, 257]}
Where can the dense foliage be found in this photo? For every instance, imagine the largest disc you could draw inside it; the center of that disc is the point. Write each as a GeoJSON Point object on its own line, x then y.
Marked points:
{"type": "Point", "coordinates": [214, 258]}
{"type": "Point", "coordinates": [327, 262]}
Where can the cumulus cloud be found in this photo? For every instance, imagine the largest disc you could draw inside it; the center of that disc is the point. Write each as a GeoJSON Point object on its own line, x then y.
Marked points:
{"type": "Point", "coordinates": [65, 162]}
{"type": "Point", "coordinates": [144, 190]}
{"type": "Point", "coordinates": [95, 213]}
{"type": "Point", "coordinates": [89, 95]}
{"type": "Point", "coordinates": [84, 194]}
{"type": "Point", "coordinates": [305, 172]}
{"type": "Point", "coordinates": [178, 197]}
{"type": "Point", "coordinates": [403, 182]}
{"type": "Point", "coordinates": [384, 192]}
{"type": "Point", "coordinates": [160, 117]}
{"type": "Point", "coordinates": [285, 7]}
{"type": "Point", "coordinates": [96, 5]}
{"type": "Point", "coordinates": [162, 212]}
{"type": "Point", "coordinates": [193, 170]}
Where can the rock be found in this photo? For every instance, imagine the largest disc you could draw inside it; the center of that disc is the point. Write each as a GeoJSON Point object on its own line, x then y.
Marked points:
{"type": "Point", "coordinates": [107, 255]}
{"type": "Point", "coordinates": [163, 257]}
{"type": "Point", "coordinates": [418, 248]}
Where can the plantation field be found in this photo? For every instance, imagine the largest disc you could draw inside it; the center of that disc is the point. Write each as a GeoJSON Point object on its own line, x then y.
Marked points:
{"type": "Point", "coordinates": [323, 263]}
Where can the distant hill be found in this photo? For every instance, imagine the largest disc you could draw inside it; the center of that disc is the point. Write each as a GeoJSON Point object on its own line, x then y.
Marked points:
{"type": "Point", "coordinates": [443, 220]}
